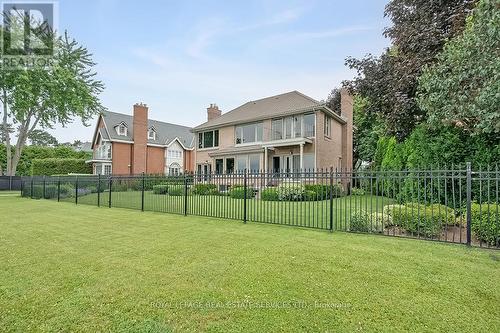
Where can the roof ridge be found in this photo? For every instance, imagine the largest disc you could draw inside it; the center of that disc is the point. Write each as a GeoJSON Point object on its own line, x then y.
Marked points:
{"type": "Point", "coordinates": [154, 120]}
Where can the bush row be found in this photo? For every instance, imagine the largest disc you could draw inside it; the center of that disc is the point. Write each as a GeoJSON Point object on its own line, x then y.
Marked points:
{"type": "Point", "coordinates": [300, 192]}
{"type": "Point", "coordinates": [62, 166]}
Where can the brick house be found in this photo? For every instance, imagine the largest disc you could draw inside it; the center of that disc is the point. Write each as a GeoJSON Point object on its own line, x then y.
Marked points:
{"type": "Point", "coordinates": [286, 132]}
{"type": "Point", "coordinates": [125, 145]}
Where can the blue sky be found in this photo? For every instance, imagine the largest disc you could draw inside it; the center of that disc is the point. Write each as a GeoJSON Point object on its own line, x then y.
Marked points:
{"type": "Point", "coordinates": [180, 56]}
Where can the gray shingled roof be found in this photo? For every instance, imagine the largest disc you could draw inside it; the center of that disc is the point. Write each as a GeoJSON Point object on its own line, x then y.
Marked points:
{"type": "Point", "coordinates": [165, 132]}
{"type": "Point", "coordinates": [287, 103]}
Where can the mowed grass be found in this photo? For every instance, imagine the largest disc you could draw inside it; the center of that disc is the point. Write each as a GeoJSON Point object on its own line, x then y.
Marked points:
{"type": "Point", "coordinates": [298, 213]}
{"type": "Point", "coordinates": [87, 269]}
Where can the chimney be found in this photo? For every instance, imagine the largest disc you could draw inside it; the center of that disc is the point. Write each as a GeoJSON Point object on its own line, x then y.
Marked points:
{"type": "Point", "coordinates": [140, 138]}
{"type": "Point", "coordinates": [346, 110]}
{"type": "Point", "coordinates": [213, 112]}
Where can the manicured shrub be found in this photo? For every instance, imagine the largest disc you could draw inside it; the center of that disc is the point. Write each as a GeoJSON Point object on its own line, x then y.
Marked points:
{"type": "Point", "coordinates": [291, 192]}
{"type": "Point", "coordinates": [176, 190]}
{"type": "Point", "coordinates": [357, 191]}
{"type": "Point", "coordinates": [323, 191]}
{"type": "Point", "coordinates": [205, 189]}
{"type": "Point", "coordinates": [66, 191]}
{"type": "Point", "coordinates": [389, 211]}
{"type": "Point", "coordinates": [270, 194]}
{"type": "Point", "coordinates": [361, 221]}
{"type": "Point", "coordinates": [238, 192]}
{"type": "Point", "coordinates": [160, 189]}
{"type": "Point", "coordinates": [119, 186]}
{"type": "Point", "coordinates": [52, 166]}
{"type": "Point", "coordinates": [485, 223]}
{"type": "Point", "coordinates": [421, 220]}
{"type": "Point", "coordinates": [310, 195]}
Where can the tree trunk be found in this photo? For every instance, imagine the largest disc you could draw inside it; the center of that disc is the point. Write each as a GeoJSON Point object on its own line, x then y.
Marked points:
{"type": "Point", "coordinates": [8, 151]}
{"type": "Point", "coordinates": [24, 132]}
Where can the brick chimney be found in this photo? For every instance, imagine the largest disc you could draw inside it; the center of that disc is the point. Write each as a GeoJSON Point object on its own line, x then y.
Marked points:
{"type": "Point", "coordinates": [213, 112]}
{"type": "Point", "coordinates": [140, 138]}
{"type": "Point", "coordinates": [346, 111]}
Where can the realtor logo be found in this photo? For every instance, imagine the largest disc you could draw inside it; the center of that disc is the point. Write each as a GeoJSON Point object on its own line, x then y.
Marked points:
{"type": "Point", "coordinates": [28, 31]}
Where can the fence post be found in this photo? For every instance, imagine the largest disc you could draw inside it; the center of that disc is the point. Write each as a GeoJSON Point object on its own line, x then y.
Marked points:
{"type": "Point", "coordinates": [76, 191]}
{"type": "Point", "coordinates": [43, 191]}
{"type": "Point", "coordinates": [99, 190]}
{"type": "Point", "coordinates": [110, 185]}
{"type": "Point", "coordinates": [58, 188]}
{"type": "Point", "coordinates": [245, 197]}
{"type": "Point", "coordinates": [469, 199]}
{"type": "Point", "coordinates": [31, 187]}
{"type": "Point", "coordinates": [331, 199]}
{"type": "Point", "coordinates": [22, 187]}
{"type": "Point", "coordinates": [142, 194]}
{"type": "Point", "coordinates": [10, 183]}
{"type": "Point", "coordinates": [185, 195]}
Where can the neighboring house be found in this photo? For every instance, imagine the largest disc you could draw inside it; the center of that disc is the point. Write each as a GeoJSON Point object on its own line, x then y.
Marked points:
{"type": "Point", "coordinates": [125, 145]}
{"type": "Point", "coordinates": [287, 132]}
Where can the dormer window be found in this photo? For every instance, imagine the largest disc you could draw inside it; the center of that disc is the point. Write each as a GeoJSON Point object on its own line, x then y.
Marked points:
{"type": "Point", "coordinates": [121, 129]}
{"type": "Point", "coordinates": [152, 134]}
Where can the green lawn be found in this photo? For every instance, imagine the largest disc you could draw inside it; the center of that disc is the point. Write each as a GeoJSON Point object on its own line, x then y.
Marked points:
{"type": "Point", "coordinates": [310, 213]}
{"type": "Point", "coordinates": [83, 268]}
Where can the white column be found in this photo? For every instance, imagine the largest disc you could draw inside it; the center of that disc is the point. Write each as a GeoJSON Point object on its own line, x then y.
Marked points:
{"type": "Point", "coordinates": [301, 156]}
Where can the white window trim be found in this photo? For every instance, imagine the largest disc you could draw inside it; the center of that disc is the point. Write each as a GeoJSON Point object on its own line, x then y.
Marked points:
{"type": "Point", "coordinates": [255, 133]}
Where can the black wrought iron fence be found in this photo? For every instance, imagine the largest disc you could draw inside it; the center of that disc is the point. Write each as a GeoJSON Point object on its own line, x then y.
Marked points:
{"type": "Point", "coordinates": [450, 205]}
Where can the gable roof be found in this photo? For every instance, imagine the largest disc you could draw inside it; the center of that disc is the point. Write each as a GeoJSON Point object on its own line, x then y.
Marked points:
{"type": "Point", "coordinates": [165, 132]}
{"type": "Point", "coordinates": [280, 105]}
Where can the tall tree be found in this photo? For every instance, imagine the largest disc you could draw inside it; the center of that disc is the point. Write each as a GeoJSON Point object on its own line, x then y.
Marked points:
{"type": "Point", "coordinates": [41, 97]}
{"type": "Point", "coordinates": [462, 88]}
{"type": "Point", "coordinates": [42, 138]}
{"type": "Point", "coordinates": [418, 33]}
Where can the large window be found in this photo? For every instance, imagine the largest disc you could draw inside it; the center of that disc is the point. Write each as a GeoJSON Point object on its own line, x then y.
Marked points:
{"type": "Point", "coordinates": [229, 165]}
{"type": "Point", "coordinates": [277, 129]}
{"type": "Point", "coordinates": [241, 163]}
{"type": "Point", "coordinates": [103, 151]}
{"type": "Point", "coordinates": [208, 139]}
{"type": "Point", "coordinates": [249, 133]}
{"type": "Point", "coordinates": [219, 166]}
{"type": "Point", "coordinates": [309, 124]}
{"type": "Point", "coordinates": [254, 162]}
{"type": "Point", "coordinates": [293, 127]}
{"type": "Point", "coordinates": [288, 128]}
{"type": "Point", "coordinates": [328, 126]}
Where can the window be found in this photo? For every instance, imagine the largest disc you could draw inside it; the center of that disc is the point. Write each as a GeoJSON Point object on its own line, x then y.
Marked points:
{"type": "Point", "coordinates": [229, 165]}
{"type": "Point", "coordinates": [219, 166]}
{"type": "Point", "coordinates": [174, 169]}
{"type": "Point", "coordinates": [107, 169]}
{"type": "Point", "coordinates": [297, 126]}
{"type": "Point", "coordinates": [241, 163]}
{"type": "Point", "coordinates": [103, 151]}
{"type": "Point", "coordinates": [152, 134]}
{"type": "Point", "coordinates": [249, 133]}
{"type": "Point", "coordinates": [328, 126]}
{"type": "Point", "coordinates": [121, 129]}
{"type": "Point", "coordinates": [309, 125]}
{"type": "Point", "coordinates": [208, 139]}
{"type": "Point", "coordinates": [277, 129]}
{"type": "Point", "coordinates": [288, 128]}
{"type": "Point", "coordinates": [254, 162]}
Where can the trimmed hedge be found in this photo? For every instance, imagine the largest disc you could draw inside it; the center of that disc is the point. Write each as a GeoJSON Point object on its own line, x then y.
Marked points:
{"type": "Point", "coordinates": [205, 189]}
{"type": "Point", "coordinates": [421, 220]}
{"type": "Point", "coordinates": [238, 192]}
{"type": "Point", "coordinates": [160, 189]}
{"type": "Point", "coordinates": [362, 221]}
{"type": "Point", "coordinates": [270, 194]}
{"type": "Point", "coordinates": [176, 190]}
{"type": "Point", "coordinates": [61, 166]}
{"type": "Point", "coordinates": [485, 222]}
